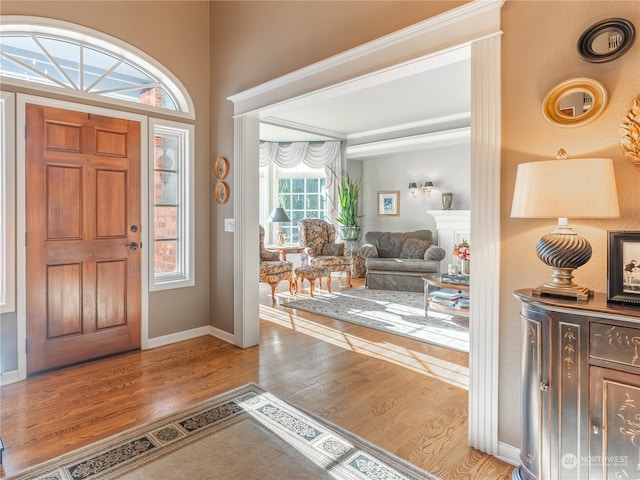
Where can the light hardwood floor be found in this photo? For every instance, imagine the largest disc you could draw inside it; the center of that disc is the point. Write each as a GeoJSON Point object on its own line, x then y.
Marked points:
{"type": "Point", "coordinates": [400, 394]}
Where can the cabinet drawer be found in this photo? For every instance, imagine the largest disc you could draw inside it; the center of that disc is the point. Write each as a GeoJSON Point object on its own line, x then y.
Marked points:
{"type": "Point", "coordinates": [615, 343]}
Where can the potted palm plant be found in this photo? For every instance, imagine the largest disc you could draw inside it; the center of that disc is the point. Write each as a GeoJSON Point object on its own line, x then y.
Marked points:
{"type": "Point", "coordinates": [348, 196]}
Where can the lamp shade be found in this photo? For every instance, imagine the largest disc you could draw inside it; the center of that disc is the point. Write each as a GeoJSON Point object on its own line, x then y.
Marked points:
{"type": "Point", "coordinates": [413, 185]}
{"type": "Point", "coordinates": [279, 215]}
{"type": "Point", "coordinates": [569, 188]}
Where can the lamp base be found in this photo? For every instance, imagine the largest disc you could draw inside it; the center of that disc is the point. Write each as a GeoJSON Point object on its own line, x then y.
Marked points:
{"type": "Point", "coordinates": [282, 238]}
{"type": "Point", "coordinates": [563, 286]}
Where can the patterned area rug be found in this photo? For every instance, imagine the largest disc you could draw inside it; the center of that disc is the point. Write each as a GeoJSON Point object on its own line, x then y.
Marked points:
{"type": "Point", "coordinates": [391, 311]}
{"type": "Point", "coordinates": [246, 433]}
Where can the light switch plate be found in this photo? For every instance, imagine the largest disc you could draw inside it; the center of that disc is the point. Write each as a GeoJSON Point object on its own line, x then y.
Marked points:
{"type": "Point", "coordinates": [229, 224]}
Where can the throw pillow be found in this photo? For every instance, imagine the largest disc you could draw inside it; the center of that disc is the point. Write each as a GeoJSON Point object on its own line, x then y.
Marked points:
{"type": "Point", "coordinates": [333, 250]}
{"type": "Point", "coordinates": [414, 248]}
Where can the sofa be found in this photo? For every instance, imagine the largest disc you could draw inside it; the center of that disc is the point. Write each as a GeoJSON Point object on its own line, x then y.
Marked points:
{"type": "Point", "coordinates": [398, 260]}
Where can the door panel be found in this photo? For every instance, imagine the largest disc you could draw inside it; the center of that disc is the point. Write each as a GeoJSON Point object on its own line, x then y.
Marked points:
{"type": "Point", "coordinates": [83, 195]}
{"type": "Point", "coordinates": [111, 203]}
{"type": "Point", "coordinates": [64, 300]}
{"type": "Point", "coordinates": [111, 293]}
{"type": "Point", "coordinates": [64, 202]}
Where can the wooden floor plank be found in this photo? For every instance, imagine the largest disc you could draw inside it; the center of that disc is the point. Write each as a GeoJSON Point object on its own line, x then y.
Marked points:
{"type": "Point", "coordinates": [398, 393]}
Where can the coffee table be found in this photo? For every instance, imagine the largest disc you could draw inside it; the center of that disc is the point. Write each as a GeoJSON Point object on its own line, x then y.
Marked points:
{"type": "Point", "coordinates": [441, 294]}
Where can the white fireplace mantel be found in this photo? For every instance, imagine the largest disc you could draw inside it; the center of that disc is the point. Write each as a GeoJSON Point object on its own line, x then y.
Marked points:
{"type": "Point", "coordinates": [452, 226]}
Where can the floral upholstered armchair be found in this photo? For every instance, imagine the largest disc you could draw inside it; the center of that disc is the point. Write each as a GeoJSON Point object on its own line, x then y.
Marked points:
{"type": "Point", "coordinates": [318, 239]}
{"type": "Point", "coordinates": [272, 269]}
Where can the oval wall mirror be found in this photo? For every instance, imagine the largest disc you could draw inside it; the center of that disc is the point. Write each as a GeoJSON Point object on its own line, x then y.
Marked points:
{"type": "Point", "coordinates": [575, 102]}
{"type": "Point", "coordinates": [606, 40]}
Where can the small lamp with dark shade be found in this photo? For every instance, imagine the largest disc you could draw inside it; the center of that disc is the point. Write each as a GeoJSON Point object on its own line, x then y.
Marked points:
{"type": "Point", "coordinates": [278, 216]}
{"type": "Point", "coordinates": [562, 189]}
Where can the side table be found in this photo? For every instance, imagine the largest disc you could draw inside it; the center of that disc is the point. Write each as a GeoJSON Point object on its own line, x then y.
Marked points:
{"type": "Point", "coordinates": [285, 249]}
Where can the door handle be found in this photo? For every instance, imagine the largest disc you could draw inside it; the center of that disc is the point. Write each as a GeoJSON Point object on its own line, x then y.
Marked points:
{"type": "Point", "coordinates": [132, 245]}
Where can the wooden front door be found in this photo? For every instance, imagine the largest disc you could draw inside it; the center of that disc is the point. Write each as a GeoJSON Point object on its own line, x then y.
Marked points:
{"type": "Point", "coordinates": [83, 236]}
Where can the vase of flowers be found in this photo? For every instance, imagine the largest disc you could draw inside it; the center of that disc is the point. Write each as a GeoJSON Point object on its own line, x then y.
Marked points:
{"type": "Point", "coordinates": [463, 252]}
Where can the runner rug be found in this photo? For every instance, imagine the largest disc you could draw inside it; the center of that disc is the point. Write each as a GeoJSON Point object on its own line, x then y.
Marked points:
{"type": "Point", "coordinates": [401, 313]}
{"type": "Point", "coordinates": [243, 434]}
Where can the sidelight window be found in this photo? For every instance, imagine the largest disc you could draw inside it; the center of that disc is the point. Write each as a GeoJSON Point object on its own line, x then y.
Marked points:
{"type": "Point", "coordinates": [7, 206]}
{"type": "Point", "coordinates": [171, 194]}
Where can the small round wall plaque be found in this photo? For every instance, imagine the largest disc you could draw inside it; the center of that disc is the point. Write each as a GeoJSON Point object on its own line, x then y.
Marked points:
{"type": "Point", "coordinates": [221, 192]}
{"type": "Point", "coordinates": [221, 168]}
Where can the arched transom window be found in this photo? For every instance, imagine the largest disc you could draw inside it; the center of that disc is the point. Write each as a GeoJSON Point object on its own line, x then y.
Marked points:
{"type": "Point", "coordinates": [61, 55]}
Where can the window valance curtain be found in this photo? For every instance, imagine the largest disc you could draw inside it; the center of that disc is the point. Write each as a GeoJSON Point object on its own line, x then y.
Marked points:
{"type": "Point", "coordinates": [312, 154]}
{"type": "Point", "coordinates": [327, 155]}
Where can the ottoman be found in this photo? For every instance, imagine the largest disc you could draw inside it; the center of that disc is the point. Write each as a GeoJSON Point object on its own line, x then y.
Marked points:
{"type": "Point", "coordinates": [311, 273]}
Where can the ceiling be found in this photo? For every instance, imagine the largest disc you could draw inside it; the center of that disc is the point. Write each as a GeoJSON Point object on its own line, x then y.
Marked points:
{"type": "Point", "coordinates": [429, 96]}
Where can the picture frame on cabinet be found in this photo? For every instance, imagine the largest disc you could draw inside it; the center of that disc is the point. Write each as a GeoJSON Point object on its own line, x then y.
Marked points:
{"type": "Point", "coordinates": [389, 203]}
{"type": "Point", "coordinates": [623, 266]}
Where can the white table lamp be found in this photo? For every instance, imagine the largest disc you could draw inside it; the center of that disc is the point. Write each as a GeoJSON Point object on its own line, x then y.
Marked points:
{"type": "Point", "coordinates": [562, 189]}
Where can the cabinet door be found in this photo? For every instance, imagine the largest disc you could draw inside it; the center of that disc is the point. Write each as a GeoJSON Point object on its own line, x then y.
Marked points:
{"type": "Point", "coordinates": [534, 390]}
{"type": "Point", "coordinates": [568, 424]}
{"type": "Point", "coordinates": [614, 406]}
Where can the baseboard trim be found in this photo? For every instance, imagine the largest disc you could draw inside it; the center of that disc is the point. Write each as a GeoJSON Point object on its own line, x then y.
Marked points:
{"type": "Point", "coordinates": [178, 337]}
{"type": "Point", "coordinates": [189, 334]}
{"type": "Point", "coordinates": [222, 335]}
{"type": "Point", "coordinates": [508, 453]}
{"type": "Point", "coordinates": [9, 377]}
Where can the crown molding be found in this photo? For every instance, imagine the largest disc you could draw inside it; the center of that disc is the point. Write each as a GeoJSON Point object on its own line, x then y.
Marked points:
{"type": "Point", "coordinates": [415, 142]}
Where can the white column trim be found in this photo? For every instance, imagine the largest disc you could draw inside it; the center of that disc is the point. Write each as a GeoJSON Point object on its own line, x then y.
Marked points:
{"type": "Point", "coordinates": [246, 256]}
{"type": "Point", "coordinates": [485, 241]}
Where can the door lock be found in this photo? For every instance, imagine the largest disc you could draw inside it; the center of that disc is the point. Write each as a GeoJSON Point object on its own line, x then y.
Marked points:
{"type": "Point", "coordinates": [132, 245]}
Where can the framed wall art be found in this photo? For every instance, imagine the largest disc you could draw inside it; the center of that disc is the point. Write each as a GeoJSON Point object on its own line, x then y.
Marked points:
{"type": "Point", "coordinates": [389, 203]}
{"type": "Point", "coordinates": [221, 168]}
{"type": "Point", "coordinates": [623, 267]}
{"type": "Point", "coordinates": [221, 192]}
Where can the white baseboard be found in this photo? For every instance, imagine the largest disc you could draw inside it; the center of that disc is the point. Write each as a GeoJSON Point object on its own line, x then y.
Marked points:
{"type": "Point", "coordinates": [222, 335]}
{"type": "Point", "coordinates": [508, 453]}
{"type": "Point", "coordinates": [178, 337]}
{"type": "Point", "coordinates": [189, 334]}
{"type": "Point", "coordinates": [9, 377]}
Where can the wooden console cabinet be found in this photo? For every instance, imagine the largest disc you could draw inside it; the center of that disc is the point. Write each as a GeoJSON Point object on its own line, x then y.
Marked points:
{"type": "Point", "coordinates": [580, 389]}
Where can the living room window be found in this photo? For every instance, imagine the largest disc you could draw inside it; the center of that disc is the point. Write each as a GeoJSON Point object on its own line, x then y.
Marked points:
{"type": "Point", "coordinates": [301, 192]}
{"type": "Point", "coordinates": [296, 176]}
{"type": "Point", "coordinates": [171, 196]}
